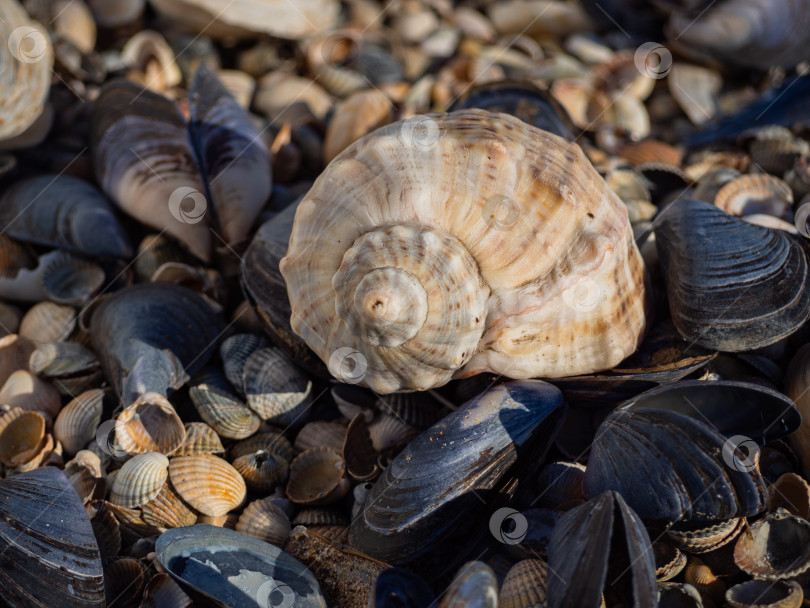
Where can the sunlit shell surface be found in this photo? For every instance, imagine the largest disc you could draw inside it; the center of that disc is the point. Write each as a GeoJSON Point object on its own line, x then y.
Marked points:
{"type": "Point", "coordinates": [446, 245]}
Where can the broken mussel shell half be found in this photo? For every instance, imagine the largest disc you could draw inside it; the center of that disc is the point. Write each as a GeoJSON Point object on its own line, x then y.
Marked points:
{"type": "Point", "coordinates": [711, 260]}
{"type": "Point", "coordinates": [48, 552]}
{"type": "Point", "coordinates": [433, 486]}
{"type": "Point", "coordinates": [224, 568]}
{"type": "Point", "coordinates": [639, 450]}
{"type": "Point", "coordinates": [601, 542]}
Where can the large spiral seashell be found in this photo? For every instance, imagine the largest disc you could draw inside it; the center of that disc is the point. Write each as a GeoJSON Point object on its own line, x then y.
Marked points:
{"type": "Point", "coordinates": [447, 245]}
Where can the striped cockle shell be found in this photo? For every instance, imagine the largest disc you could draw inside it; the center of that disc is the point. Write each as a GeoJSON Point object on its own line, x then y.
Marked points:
{"type": "Point", "coordinates": [22, 436]}
{"type": "Point", "coordinates": [200, 439]}
{"type": "Point", "coordinates": [320, 433]}
{"type": "Point", "coordinates": [448, 245]}
{"type": "Point", "coordinates": [48, 322]}
{"type": "Point", "coordinates": [105, 528]}
{"type": "Point", "coordinates": [275, 388]}
{"type": "Point", "coordinates": [167, 510]}
{"type": "Point", "coordinates": [524, 585]}
{"type": "Point", "coordinates": [208, 483]}
{"type": "Point", "coordinates": [756, 193]}
{"type": "Point", "coordinates": [78, 421]}
{"type": "Point", "coordinates": [149, 424]}
{"type": "Point", "coordinates": [23, 389]}
{"type": "Point", "coordinates": [139, 480]}
{"type": "Point", "coordinates": [318, 477]}
{"type": "Point", "coordinates": [225, 413]}
{"type": "Point", "coordinates": [235, 352]}
{"type": "Point", "coordinates": [266, 521]}
{"type": "Point", "coordinates": [262, 471]}
{"type": "Point", "coordinates": [270, 441]}
{"type": "Point", "coordinates": [124, 580]}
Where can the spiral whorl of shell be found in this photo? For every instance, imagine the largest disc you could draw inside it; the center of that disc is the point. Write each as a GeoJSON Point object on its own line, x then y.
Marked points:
{"type": "Point", "coordinates": [447, 245]}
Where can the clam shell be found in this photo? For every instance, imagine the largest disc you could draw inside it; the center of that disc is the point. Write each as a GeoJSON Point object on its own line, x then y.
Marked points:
{"type": "Point", "coordinates": [695, 88]}
{"type": "Point", "coordinates": [156, 250]}
{"type": "Point", "coordinates": [790, 492]}
{"type": "Point", "coordinates": [14, 354]}
{"type": "Point", "coordinates": [756, 193]}
{"type": "Point", "coordinates": [207, 483]}
{"type": "Point", "coordinates": [167, 510]}
{"type": "Point", "coordinates": [131, 525]}
{"type": "Point", "coordinates": [437, 472]}
{"type": "Point", "coordinates": [262, 471]}
{"type": "Point", "coordinates": [78, 421]}
{"type": "Point", "coordinates": [230, 418]}
{"type": "Point", "coordinates": [651, 151]}
{"type": "Point", "coordinates": [669, 561]}
{"type": "Point", "coordinates": [320, 433]}
{"type": "Point", "coordinates": [234, 352]}
{"type": "Point", "coordinates": [62, 359]}
{"type": "Point", "coordinates": [525, 585]}
{"type": "Point", "coordinates": [124, 581]}
{"type": "Point", "coordinates": [105, 528]}
{"type": "Point", "coordinates": [46, 537]}
{"type": "Point", "coordinates": [200, 439]}
{"type": "Point", "coordinates": [270, 441]}
{"type": "Point", "coordinates": [22, 436]}
{"type": "Point", "coordinates": [679, 595]}
{"type": "Point", "coordinates": [83, 480]}
{"type": "Point", "coordinates": [317, 477]}
{"type": "Point", "coordinates": [162, 592]}
{"type": "Point", "coordinates": [149, 424]}
{"type": "Point", "coordinates": [217, 563]}
{"type": "Point", "coordinates": [377, 329]}
{"type": "Point", "coordinates": [221, 521]}
{"type": "Point", "coordinates": [266, 521]}
{"type": "Point", "coordinates": [579, 558]}
{"type": "Point", "coordinates": [560, 486]}
{"type": "Point", "coordinates": [706, 582]}
{"type": "Point", "coordinates": [765, 594]}
{"type": "Point", "coordinates": [48, 322]}
{"type": "Point", "coordinates": [150, 57]}
{"type": "Point", "coordinates": [697, 270]}
{"type": "Point", "coordinates": [359, 114]}
{"type": "Point", "coordinates": [475, 584]}
{"type": "Point", "coordinates": [63, 212]}
{"type": "Point", "coordinates": [23, 389]}
{"type": "Point", "coordinates": [389, 432]}
{"type": "Point", "coordinates": [704, 538]}
{"type": "Point", "coordinates": [139, 480]}
{"type": "Point", "coordinates": [26, 63]}
{"type": "Point", "coordinates": [645, 435]}
{"type": "Point", "coordinates": [774, 547]}
{"type": "Point", "coordinates": [776, 150]}
{"type": "Point", "coordinates": [276, 390]}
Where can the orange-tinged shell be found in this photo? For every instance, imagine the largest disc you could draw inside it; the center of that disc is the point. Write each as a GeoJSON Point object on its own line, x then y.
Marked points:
{"type": "Point", "coordinates": [167, 510]}
{"type": "Point", "coordinates": [756, 193]}
{"type": "Point", "coordinates": [792, 493]}
{"type": "Point", "coordinates": [524, 585]}
{"type": "Point", "coordinates": [78, 421]}
{"type": "Point", "coordinates": [208, 483]}
{"type": "Point", "coordinates": [447, 245]}
{"type": "Point", "coordinates": [139, 480]}
{"type": "Point", "coordinates": [14, 353]}
{"type": "Point", "coordinates": [223, 412]}
{"type": "Point", "coordinates": [48, 322]}
{"type": "Point", "coordinates": [265, 520]}
{"type": "Point", "coordinates": [200, 439]}
{"type": "Point", "coordinates": [262, 471]}
{"type": "Point", "coordinates": [22, 436]}
{"type": "Point", "coordinates": [317, 477]}
{"type": "Point", "coordinates": [149, 424]}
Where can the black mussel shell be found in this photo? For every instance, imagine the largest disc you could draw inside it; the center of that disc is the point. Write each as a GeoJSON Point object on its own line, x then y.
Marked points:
{"type": "Point", "coordinates": [601, 547]}
{"type": "Point", "coordinates": [672, 451]}
{"type": "Point", "coordinates": [400, 588]}
{"type": "Point", "coordinates": [435, 487]}
{"type": "Point", "coordinates": [522, 99]}
{"type": "Point", "coordinates": [266, 288]}
{"type": "Point", "coordinates": [152, 337]}
{"type": "Point", "coordinates": [234, 570]}
{"type": "Point", "coordinates": [732, 285]}
{"type": "Point", "coordinates": [48, 552]}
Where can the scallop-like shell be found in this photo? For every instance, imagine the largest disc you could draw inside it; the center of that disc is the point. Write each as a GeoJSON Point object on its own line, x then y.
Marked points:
{"type": "Point", "coordinates": [669, 561]}
{"type": "Point", "coordinates": [702, 578]}
{"type": "Point", "coordinates": [23, 389]}
{"type": "Point", "coordinates": [560, 486]}
{"type": "Point", "coordinates": [756, 193]}
{"type": "Point", "coordinates": [270, 441]}
{"type": "Point", "coordinates": [774, 547]}
{"type": "Point", "coordinates": [704, 538]}
{"type": "Point", "coordinates": [167, 510]}
{"type": "Point", "coordinates": [230, 418]}
{"type": "Point", "coordinates": [207, 483]}
{"type": "Point", "coordinates": [124, 580]}
{"type": "Point", "coordinates": [48, 322]}
{"type": "Point", "coordinates": [26, 61]}
{"type": "Point", "coordinates": [524, 585]}
{"type": "Point", "coordinates": [266, 521]}
{"type": "Point", "coordinates": [320, 433]}
{"type": "Point", "coordinates": [792, 493]}
{"type": "Point", "coordinates": [765, 594]}
{"type": "Point", "coordinates": [235, 352]}
{"type": "Point", "coordinates": [275, 388]}
{"type": "Point", "coordinates": [140, 480]}
{"type": "Point", "coordinates": [59, 359]}
{"type": "Point", "coordinates": [318, 477]}
{"type": "Point", "coordinates": [262, 471]}
{"type": "Point", "coordinates": [514, 287]}
{"type": "Point", "coordinates": [200, 439]}
{"type": "Point", "coordinates": [149, 424]}
{"type": "Point", "coordinates": [22, 436]}
{"type": "Point", "coordinates": [78, 421]}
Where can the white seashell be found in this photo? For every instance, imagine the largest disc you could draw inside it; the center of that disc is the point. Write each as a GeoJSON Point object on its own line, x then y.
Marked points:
{"type": "Point", "coordinates": [78, 421]}
{"type": "Point", "coordinates": [139, 480]}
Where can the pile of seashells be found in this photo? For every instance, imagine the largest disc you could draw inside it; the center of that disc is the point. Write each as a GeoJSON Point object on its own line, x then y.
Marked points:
{"type": "Point", "coordinates": [404, 304]}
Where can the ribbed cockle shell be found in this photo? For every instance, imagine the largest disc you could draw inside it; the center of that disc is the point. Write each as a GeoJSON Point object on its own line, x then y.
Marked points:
{"type": "Point", "coordinates": [447, 245]}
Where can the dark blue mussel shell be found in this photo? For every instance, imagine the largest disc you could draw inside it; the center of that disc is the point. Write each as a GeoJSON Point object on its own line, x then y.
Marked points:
{"type": "Point", "coordinates": [438, 484]}
{"type": "Point", "coordinates": [667, 452]}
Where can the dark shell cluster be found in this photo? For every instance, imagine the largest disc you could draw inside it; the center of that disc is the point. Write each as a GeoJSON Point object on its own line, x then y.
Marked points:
{"type": "Point", "coordinates": [167, 440]}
